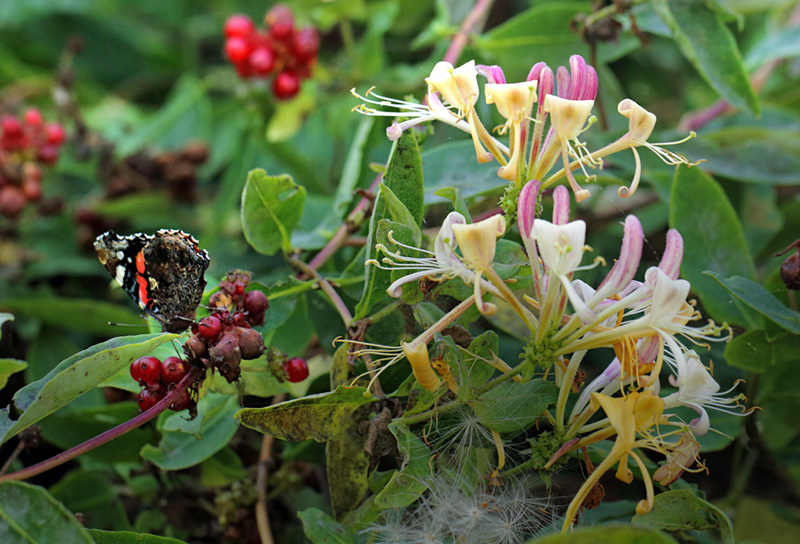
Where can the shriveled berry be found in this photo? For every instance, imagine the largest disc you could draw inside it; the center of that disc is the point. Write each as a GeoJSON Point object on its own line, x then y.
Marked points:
{"type": "Point", "coordinates": [173, 370]}
{"type": "Point", "coordinates": [296, 369]}
{"type": "Point", "coordinates": [251, 343]}
{"type": "Point", "coordinates": [262, 61]}
{"type": "Point", "coordinates": [12, 201]}
{"type": "Point", "coordinates": [790, 272]}
{"type": "Point", "coordinates": [280, 21]}
{"type": "Point", "coordinates": [305, 44]}
{"type": "Point", "coordinates": [47, 154]}
{"type": "Point", "coordinates": [195, 347]}
{"type": "Point", "coordinates": [286, 85]}
{"type": "Point", "coordinates": [147, 399]}
{"type": "Point", "coordinates": [231, 373]}
{"type": "Point", "coordinates": [237, 50]}
{"type": "Point", "coordinates": [226, 350]}
{"type": "Point", "coordinates": [146, 370]}
{"type": "Point", "coordinates": [255, 302]}
{"type": "Point", "coordinates": [209, 328]}
{"type": "Point", "coordinates": [240, 320]}
{"type": "Point", "coordinates": [55, 134]}
{"type": "Point", "coordinates": [239, 25]}
{"type": "Point", "coordinates": [183, 401]}
{"type": "Point", "coordinates": [33, 117]}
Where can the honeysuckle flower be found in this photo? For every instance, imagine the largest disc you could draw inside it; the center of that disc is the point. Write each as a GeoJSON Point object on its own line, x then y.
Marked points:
{"type": "Point", "coordinates": [493, 74]}
{"type": "Point", "coordinates": [698, 390]}
{"type": "Point", "coordinates": [640, 127]}
{"type": "Point", "coordinates": [478, 243]}
{"type": "Point", "coordinates": [514, 101]}
{"type": "Point", "coordinates": [634, 414]}
{"type": "Point", "coordinates": [418, 358]}
{"type": "Point", "coordinates": [439, 265]}
{"type": "Point", "coordinates": [680, 458]}
{"type": "Point", "coordinates": [568, 119]}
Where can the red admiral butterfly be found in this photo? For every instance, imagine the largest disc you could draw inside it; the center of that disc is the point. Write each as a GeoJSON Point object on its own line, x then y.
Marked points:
{"type": "Point", "coordinates": [163, 272]}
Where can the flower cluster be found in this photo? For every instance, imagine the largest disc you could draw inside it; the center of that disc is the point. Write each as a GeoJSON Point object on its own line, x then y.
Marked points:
{"type": "Point", "coordinates": [558, 104]}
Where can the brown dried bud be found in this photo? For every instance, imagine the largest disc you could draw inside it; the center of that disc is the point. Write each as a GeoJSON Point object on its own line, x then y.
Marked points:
{"type": "Point", "coordinates": [196, 152]}
{"type": "Point", "coordinates": [790, 269]}
{"type": "Point", "coordinates": [251, 343]}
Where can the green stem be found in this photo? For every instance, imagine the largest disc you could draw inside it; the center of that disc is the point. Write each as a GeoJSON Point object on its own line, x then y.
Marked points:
{"type": "Point", "coordinates": [566, 386]}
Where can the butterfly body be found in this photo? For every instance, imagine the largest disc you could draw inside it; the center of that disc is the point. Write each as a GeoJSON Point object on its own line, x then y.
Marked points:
{"type": "Point", "coordinates": [163, 272]}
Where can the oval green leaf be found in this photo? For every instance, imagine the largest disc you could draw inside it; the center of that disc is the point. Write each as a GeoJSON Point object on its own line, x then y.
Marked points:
{"type": "Point", "coordinates": [30, 515]}
{"type": "Point", "coordinates": [75, 376]}
{"type": "Point", "coordinates": [271, 208]}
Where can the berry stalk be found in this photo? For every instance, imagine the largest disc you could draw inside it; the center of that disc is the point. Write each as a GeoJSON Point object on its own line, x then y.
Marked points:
{"type": "Point", "coordinates": [110, 434]}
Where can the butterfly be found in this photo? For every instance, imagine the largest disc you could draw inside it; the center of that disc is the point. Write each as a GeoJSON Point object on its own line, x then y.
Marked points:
{"type": "Point", "coordinates": [163, 272]}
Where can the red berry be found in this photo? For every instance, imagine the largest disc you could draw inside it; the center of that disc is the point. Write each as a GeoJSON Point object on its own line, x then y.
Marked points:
{"type": "Point", "coordinates": [240, 320]}
{"type": "Point", "coordinates": [239, 25]}
{"type": "Point", "coordinates": [54, 134]}
{"type": "Point", "coordinates": [173, 369]}
{"type": "Point", "coordinates": [147, 370]}
{"type": "Point", "coordinates": [237, 50]}
{"type": "Point", "coordinates": [296, 369]}
{"type": "Point", "coordinates": [33, 117]}
{"type": "Point", "coordinates": [147, 399]}
{"type": "Point", "coordinates": [262, 61]}
{"type": "Point", "coordinates": [209, 328]}
{"type": "Point", "coordinates": [47, 154]}
{"type": "Point", "coordinates": [183, 401]}
{"type": "Point", "coordinates": [11, 126]}
{"type": "Point", "coordinates": [286, 85]}
{"type": "Point", "coordinates": [255, 302]}
{"type": "Point", "coordinates": [280, 21]}
{"type": "Point", "coordinates": [306, 44]}
{"type": "Point", "coordinates": [12, 201]}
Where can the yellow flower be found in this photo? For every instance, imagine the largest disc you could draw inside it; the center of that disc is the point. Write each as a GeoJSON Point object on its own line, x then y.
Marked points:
{"type": "Point", "coordinates": [478, 243]}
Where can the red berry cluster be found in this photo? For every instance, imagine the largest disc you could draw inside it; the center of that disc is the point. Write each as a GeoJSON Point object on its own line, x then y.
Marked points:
{"type": "Point", "coordinates": [282, 49]}
{"type": "Point", "coordinates": [26, 142]}
{"type": "Point", "coordinates": [223, 339]}
{"type": "Point", "coordinates": [157, 378]}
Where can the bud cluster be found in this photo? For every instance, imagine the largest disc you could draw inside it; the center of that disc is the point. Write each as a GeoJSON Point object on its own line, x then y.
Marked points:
{"type": "Point", "coordinates": [223, 339]}
{"type": "Point", "coordinates": [283, 50]}
{"type": "Point", "coordinates": [26, 143]}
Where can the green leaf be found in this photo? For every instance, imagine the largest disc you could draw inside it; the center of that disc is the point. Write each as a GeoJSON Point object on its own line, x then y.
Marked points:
{"type": "Point", "coordinates": [713, 241]}
{"type": "Point", "coordinates": [30, 515]}
{"type": "Point", "coordinates": [762, 301]}
{"type": "Point", "coordinates": [454, 195]}
{"type": "Point", "coordinates": [96, 315]}
{"type": "Point", "coordinates": [185, 116]}
{"type": "Point", "coordinates": [9, 367]}
{"type": "Point", "coordinates": [761, 217]}
{"type": "Point", "coordinates": [320, 528]}
{"type": "Point", "coordinates": [74, 376]}
{"type": "Point", "coordinates": [404, 176]}
{"type": "Point", "coordinates": [754, 352]}
{"type": "Point", "coordinates": [408, 483]}
{"type": "Point", "coordinates": [515, 406]}
{"type": "Point", "coordinates": [775, 44]}
{"type": "Point", "coordinates": [318, 417]}
{"type": "Point", "coordinates": [178, 449]}
{"type": "Point", "coordinates": [453, 166]}
{"type": "Point", "coordinates": [608, 534]}
{"type": "Point", "coordinates": [486, 346]}
{"type": "Point", "coordinates": [547, 29]}
{"type": "Point", "coordinates": [682, 510]}
{"type": "Point", "coordinates": [128, 537]}
{"type": "Point", "coordinates": [347, 465]}
{"type": "Point", "coordinates": [271, 208]}
{"type": "Point", "coordinates": [711, 48]}
{"type": "Point", "coordinates": [387, 206]}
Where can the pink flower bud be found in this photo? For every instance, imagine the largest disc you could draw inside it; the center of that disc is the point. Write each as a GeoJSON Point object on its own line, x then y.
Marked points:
{"type": "Point", "coordinates": [526, 208]}
{"type": "Point", "coordinates": [673, 255]}
{"type": "Point", "coordinates": [560, 205]}
{"type": "Point", "coordinates": [492, 73]}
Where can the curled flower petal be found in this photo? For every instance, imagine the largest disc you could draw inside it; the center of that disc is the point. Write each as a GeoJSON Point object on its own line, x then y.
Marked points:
{"type": "Point", "coordinates": [459, 86]}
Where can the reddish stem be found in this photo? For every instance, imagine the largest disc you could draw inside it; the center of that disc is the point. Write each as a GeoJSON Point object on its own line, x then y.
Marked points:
{"type": "Point", "coordinates": [110, 434]}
